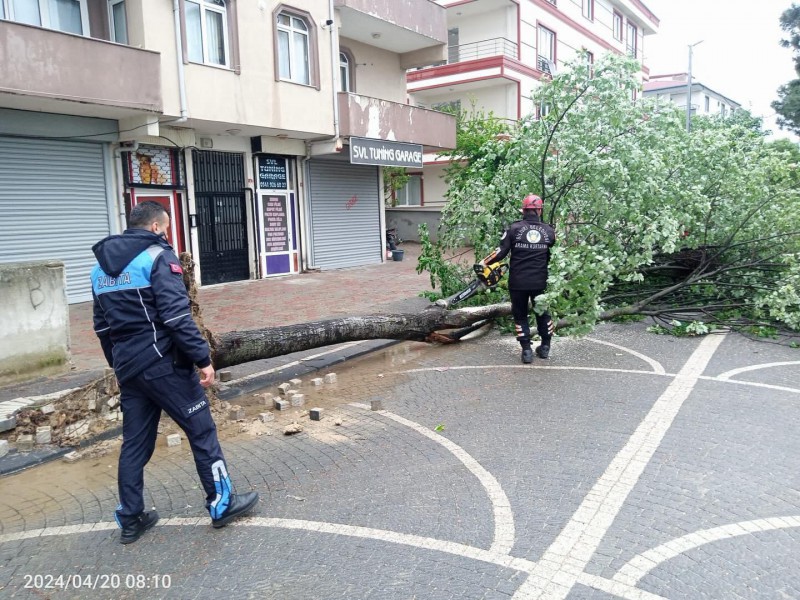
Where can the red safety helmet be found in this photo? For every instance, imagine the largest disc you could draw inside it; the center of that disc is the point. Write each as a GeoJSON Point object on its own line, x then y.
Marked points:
{"type": "Point", "coordinates": [532, 201]}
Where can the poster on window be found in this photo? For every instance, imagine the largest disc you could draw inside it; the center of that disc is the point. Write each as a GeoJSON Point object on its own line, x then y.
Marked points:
{"type": "Point", "coordinates": [276, 230]}
{"type": "Point", "coordinates": [153, 166]}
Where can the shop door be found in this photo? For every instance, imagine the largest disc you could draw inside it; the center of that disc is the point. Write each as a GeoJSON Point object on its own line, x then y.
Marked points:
{"type": "Point", "coordinates": [171, 202]}
{"type": "Point", "coordinates": [219, 182]}
{"type": "Point", "coordinates": [278, 238]}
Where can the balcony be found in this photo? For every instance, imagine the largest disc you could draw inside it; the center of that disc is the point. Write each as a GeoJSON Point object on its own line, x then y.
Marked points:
{"type": "Point", "coordinates": [50, 71]}
{"type": "Point", "coordinates": [362, 116]}
{"type": "Point", "coordinates": [414, 29]}
{"type": "Point", "coordinates": [499, 46]}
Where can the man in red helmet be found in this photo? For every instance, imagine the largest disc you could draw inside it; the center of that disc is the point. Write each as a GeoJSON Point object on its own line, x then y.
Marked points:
{"type": "Point", "coordinates": [529, 242]}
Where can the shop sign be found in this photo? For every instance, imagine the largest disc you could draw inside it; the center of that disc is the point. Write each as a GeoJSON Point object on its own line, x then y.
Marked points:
{"type": "Point", "coordinates": [272, 172]}
{"type": "Point", "coordinates": [276, 230]}
{"type": "Point", "coordinates": [366, 151]}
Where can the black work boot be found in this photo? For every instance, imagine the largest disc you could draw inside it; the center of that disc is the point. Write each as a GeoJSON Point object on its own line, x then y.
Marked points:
{"type": "Point", "coordinates": [527, 355]}
{"type": "Point", "coordinates": [238, 506]}
{"type": "Point", "coordinates": [135, 530]}
{"type": "Point", "coordinates": [543, 351]}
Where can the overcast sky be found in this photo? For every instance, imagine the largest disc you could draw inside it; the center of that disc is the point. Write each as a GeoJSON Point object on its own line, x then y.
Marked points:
{"type": "Point", "coordinates": [740, 56]}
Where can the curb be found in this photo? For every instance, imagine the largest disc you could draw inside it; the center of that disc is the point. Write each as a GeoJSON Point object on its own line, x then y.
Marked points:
{"type": "Point", "coordinates": [14, 461]}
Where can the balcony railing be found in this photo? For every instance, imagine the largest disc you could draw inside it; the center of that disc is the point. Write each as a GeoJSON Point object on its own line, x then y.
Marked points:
{"type": "Point", "coordinates": [483, 49]}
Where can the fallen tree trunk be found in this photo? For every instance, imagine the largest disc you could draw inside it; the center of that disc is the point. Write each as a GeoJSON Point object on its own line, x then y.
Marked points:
{"type": "Point", "coordinates": [236, 347]}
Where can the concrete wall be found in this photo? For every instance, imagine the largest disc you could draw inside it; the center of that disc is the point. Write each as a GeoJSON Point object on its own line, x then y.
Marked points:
{"type": "Point", "coordinates": [34, 322]}
{"type": "Point", "coordinates": [408, 220]}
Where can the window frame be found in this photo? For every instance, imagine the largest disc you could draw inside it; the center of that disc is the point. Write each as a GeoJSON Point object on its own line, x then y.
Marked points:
{"type": "Point", "coordinates": [629, 26]}
{"type": "Point", "coordinates": [44, 16]}
{"type": "Point", "coordinates": [206, 5]}
{"type": "Point", "coordinates": [553, 44]}
{"type": "Point", "coordinates": [110, 4]}
{"type": "Point", "coordinates": [617, 19]}
{"type": "Point", "coordinates": [351, 73]}
{"type": "Point", "coordinates": [587, 9]}
{"type": "Point", "coordinates": [396, 193]}
{"type": "Point", "coordinates": [313, 52]}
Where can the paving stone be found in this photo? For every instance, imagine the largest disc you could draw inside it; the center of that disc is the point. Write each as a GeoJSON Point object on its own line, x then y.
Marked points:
{"type": "Point", "coordinates": [225, 376]}
{"type": "Point", "coordinates": [8, 423]}
{"type": "Point", "coordinates": [281, 404]}
{"type": "Point", "coordinates": [77, 429]}
{"type": "Point", "coordinates": [174, 439]}
{"type": "Point", "coordinates": [236, 413]}
{"type": "Point", "coordinates": [72, 457]}
{"type": "Point", "coordinates": [113, 402]}
{"type": "Point", "coordinates": [330, 378]}
{"type": "Point", "coordinates": [284, 388]}
{"type": "Point", "coordinates": [44, 434]}
{"type": "Point", "coordinates": [3, 448]}
{"type": "Point", "coordinates": [296, 383]}
{"type": "Point", "coordinates": [298, 399]}
{"type": "Point", "coordinates": [315, 414]}
{"type": "Point", "coordinates": [48, 409]}
{"type": "Point", "coordinates": [24, 442]}
{"type": "Point", "coordinates": [266, 399]}
{"type": "Point", "coordinates": [376, 404]}
{"type": "Point", "coordinates": [317, 381]}
{"type": "Point", "coordinates": [91, 404]}
{"type": "Point", "coordinates": [266, 417]}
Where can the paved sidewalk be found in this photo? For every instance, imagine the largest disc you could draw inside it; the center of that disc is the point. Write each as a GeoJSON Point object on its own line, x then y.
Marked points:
{"type": "Point", "coordinates": [387, 287]}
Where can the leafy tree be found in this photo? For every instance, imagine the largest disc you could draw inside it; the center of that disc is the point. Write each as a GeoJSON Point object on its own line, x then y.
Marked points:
{"type": "Point", "coordinates": [649, 219]}
{"type": "Point", "coordinates": [788, 103]}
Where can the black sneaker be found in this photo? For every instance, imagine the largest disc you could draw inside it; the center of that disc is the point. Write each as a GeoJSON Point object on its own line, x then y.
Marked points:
{"type": "Point", "coordinates": [238, 506]}
{"type": "Point", "coordinates": [543, 351]}
{"type": "Point", "coordinates": [131, 533]}
{"type": "Point", "coordinates": [527, 356]}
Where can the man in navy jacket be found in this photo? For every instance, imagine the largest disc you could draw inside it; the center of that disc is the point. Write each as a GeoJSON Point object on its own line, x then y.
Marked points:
{"type": "Point", "coordinates": [146, 330]}
{"type": "Point", "coordinates": [529, 242]}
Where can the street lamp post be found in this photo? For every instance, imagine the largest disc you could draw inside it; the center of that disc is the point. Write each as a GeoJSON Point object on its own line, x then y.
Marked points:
{"type": "Point", "coordinates": [689, 89]}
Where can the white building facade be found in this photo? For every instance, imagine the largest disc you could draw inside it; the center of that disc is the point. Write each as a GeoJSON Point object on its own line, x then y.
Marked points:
{"type": "Point", "coordinates": [703, 100]}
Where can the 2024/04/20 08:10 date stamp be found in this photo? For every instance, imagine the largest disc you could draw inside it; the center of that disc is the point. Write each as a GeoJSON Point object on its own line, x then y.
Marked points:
{"type": "Point", "coordinates": [102, 581]}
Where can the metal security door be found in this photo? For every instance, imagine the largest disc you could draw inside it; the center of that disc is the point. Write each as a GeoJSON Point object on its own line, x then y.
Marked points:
{"type": "Point", "coordinates": [345, 214]}
{"type": "Point", "coordinates": [221, 216]}
{"type": "Point", "coordinates": [53, 206]}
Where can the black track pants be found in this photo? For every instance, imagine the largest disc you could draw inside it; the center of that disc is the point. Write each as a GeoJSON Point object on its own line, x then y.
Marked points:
{"type": "Point", "coordinates": [519, 309]}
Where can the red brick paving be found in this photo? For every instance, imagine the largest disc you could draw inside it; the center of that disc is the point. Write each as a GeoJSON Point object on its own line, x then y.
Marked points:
{"type": "Point", "coordinates": [286, 300]}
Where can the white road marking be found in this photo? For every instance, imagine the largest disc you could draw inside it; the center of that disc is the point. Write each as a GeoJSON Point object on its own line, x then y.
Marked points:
{"type": "Point", "coordinates": [416, 541]}
{"type": "Point", "coordinates": [295, 362]}
{"type": "Point", "coordinates": [728, 374]}
{"type": "Point", "coordinates": [768, 386]}
{"type": "Point", "coordinates": [527, 367]}
{"type": "Point", "coordinates": [616, 588]}
{"type": "Point", "coordinates": [565, 560]}
{"type": "Point", "coordinates": [501, 507]}
{"type": "Point", "coordinates": [657, 368]}
{"type": "Point", "coordinates": [639, 566]}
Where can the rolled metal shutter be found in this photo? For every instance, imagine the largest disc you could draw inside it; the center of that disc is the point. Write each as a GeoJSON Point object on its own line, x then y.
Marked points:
{"type": "Point", "coordinates": [345, 214]}
{"type": "Point", "coordinates": [53, 205]}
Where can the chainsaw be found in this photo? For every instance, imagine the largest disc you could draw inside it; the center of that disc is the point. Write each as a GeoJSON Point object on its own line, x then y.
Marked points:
{"type": "Point", "coordinates": [486, 278]}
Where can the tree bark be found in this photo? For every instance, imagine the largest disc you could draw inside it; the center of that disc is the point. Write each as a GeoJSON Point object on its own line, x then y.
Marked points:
{"type": "Point", "coordinates": [236, 347]}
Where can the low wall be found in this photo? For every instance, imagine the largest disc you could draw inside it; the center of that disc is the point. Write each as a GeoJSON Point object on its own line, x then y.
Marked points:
{"type": "Point", "coordinates": [34, 320]}
{"type": "Point", "coordinates": [408, 220]}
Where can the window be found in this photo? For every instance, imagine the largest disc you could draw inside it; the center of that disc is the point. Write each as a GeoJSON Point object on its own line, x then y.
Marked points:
{"type": "Point", "coordinates": [723, 110]}
{"type": "Point", "coordinates": [546, 50]}
{"type": "Point", "coordinates": [69, 16]}
{"type": "Point", "coordinates": [207, 32]}
{"type": "Point", "coordinates": [631, 42]}
{"type": "Point", "coordinates": [588, 58]}
{"type": "Point", "coordinates": [411, 193]}
{"type": "Point", "coordinates": [453, 107]}
{"type": "Point", "coordinates": [293, 48]}
{"type": "Point", "coordinates": [587, 9]}
{"type": "Point", "coordinates": [553, 2]}
{"type": "Point", "coordinates": [118, 21]}
{"type": "Point", "coordinates": [617, 26]}
{"type": "Point", "coordinates": [344, 73]}
{"type": "Point", "coordinates": [708, 104]}
{"type": "Point", "coordinates": [452, 45]}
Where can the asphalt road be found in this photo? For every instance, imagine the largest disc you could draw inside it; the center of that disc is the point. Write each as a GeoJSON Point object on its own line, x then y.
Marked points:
{"type": "Point", "coordinates": [628, 465]}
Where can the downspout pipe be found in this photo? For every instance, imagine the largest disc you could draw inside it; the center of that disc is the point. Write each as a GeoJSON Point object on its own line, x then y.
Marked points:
{"type": "Point", "coordinates": [176, 12]}
{"type": "Point", "coordinates": [334, 69]}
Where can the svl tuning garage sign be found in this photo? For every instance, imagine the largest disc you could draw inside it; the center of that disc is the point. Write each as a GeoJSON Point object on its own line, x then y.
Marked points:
{"type": "Point", "coordinates": [365, 151]}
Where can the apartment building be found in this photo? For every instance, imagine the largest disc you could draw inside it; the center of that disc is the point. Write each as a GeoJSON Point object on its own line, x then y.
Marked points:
{"type": "Point", "coordinates": [262, 125]}
{"type": "Point", "coordinates": [498, 51]}
{"type": "Point", "coordinates": [673, 87]}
